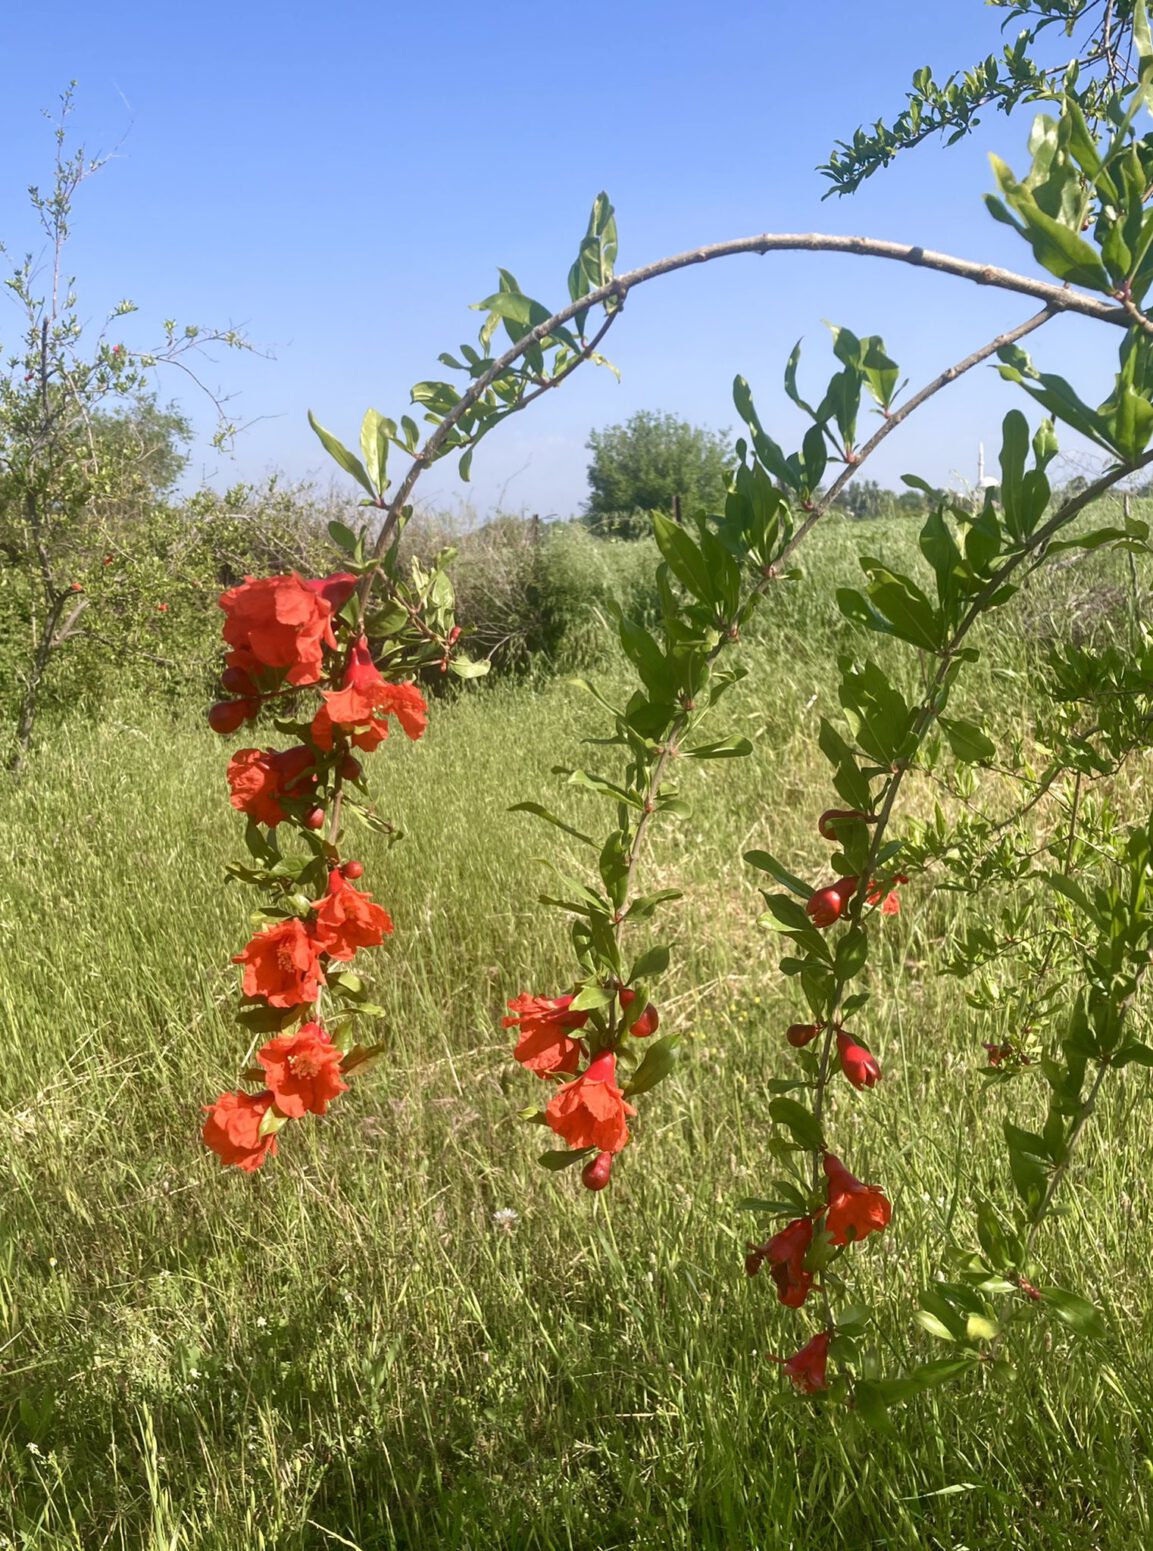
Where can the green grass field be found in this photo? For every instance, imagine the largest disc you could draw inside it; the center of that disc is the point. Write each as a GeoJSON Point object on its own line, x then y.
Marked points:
{"type": "Point", "coordinates": [403, 1332]}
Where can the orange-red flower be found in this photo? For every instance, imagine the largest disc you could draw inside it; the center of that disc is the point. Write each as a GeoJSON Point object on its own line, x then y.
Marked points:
{"type": "Point", "coordinates": [282, 965]}
{"type": "Point", "coordinates": [829, 904]}
{"type": "Point", "coordinates": [886, 895]}
{"type": "Point", "coordinates": [347, 920]}
{"type": "Point", "coordinates": [303, 1071]}
{"type": "Point", "coordinates": [335, 589]}
{"type": "Point", "coordinates": [232, 1129]}
{"type": "Point", "coordinates": [545, 1023]}
{"type": "Point", "coordinates": [361, 707]}
{"type": "Point", "coordinates": [854, 1210]}
{"type": "Point", "coordinates": [785, 1255]}
{"type": "Point", "coordinates": [807, 1367]}
{"type": "Point", "coordinates": [260, 777]}
{"type": "Point", "coordinates": [592, 1111]}
{"type": "Point", "coordinates": [281, 623]}
{"type": "Point", "coordinates": [857, 1064]}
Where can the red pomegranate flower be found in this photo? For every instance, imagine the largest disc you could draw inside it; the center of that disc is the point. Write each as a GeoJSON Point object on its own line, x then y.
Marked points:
{"type": "Point", "coordinates": [260, 777]}
{"type": "Point", "coordinates": [857, 1064]}
{"type": "Point", "coordinates": [282, 965]}
{"type": "Point", "coordinates": [545, 1023]}
{"type": "Point", "coordinates": [854, 1210]}
{"type": "Point", "coordinates": [807, 1367]}
{"type": "Point", "coordinates": [885, 894]}
{"type": "Point", "coordinates": [279, 622]}
{"type": "Point", "coordinates": [232, 1129]}
{"type": "Point", "coordinates": [829, 904]}
{"type": "Point", "coordinates": [335, 590]}
{"type": "Point", "coordinates": [347, 920]}
{"type": "Point", "coordinates": [303, 1071]}
{"type": "Point", "coordinates": [361, 707]}
{"type": "Point", "coordinates": [785, 1255]}
{"type": "Point", "coordinates": [592, 1111]}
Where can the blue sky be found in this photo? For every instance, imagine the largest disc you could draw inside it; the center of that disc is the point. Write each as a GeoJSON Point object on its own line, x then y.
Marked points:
{"type": "Point", "coordinates": [342, 180]}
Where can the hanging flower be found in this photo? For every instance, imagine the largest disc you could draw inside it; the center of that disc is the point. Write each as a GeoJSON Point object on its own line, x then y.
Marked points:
{"type": "Point", "coordinates": [361, 707]}
{"type": "Point", "coordinates": [347, 920]}
{"type": "Point", "coordinates": [282, 965]}
{"type": "Point", "coordinates": [260, 777]}
{"type": "Point", "coordinates": [806, 1368]}
{"type": "Point", "coordinates": [232, 1130]}
{"type": "Point", "coordinates": [592, 1111]}
{"type": "Point", "coordinates": [784, 1254]}
{"type": "Point", "coordinates": [854, 1210]}
{"type": "Point", "coordinates": [281, 623]}
{"type": "Point", "coordinates": [303, 1071]}
{"type": "Point", "coordinates": [545, 1023]}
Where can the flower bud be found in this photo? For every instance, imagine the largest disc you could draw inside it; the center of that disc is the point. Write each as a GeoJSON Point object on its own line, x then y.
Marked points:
{"type": "Point", "coordinates": [646, 1024]}
{"type": "Point", "coordinates": [353, 870]}
{"type": "Point", "coordinates": [314, 819]}
{"type": "Point", "coordinates": [828, 905]}
{"type": "Point", "coordinates": [350, 769]}
{"type": "Point", "coordinates": [857, 1064]}
{"type": "Point", "coordinates": [595, 1174]}
{"type": "Point", "coordinates": [799, 1034]}
{"type": "Point", "coordinates": [226, 716]}
{"type": "Point", "coordinates": [236, 681]}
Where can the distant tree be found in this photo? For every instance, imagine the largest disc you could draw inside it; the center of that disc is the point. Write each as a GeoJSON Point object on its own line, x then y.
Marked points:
{"type": "Point", "coordinates": [865, 498]}
{"type": "Point", "coordinates": [648, 464]}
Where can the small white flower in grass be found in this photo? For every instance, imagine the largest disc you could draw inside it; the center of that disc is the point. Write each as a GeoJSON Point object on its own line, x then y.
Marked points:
{"type": "Point", "coordinates": [34, 1448]}
{"type": "Point", "coordinates": [504, 1217]}
{"type": "Point", "coordinates": [261, 1321]}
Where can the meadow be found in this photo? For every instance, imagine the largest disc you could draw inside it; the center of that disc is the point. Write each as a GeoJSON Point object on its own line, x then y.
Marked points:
{"type": "Point", "coordinates": [404, 1332]}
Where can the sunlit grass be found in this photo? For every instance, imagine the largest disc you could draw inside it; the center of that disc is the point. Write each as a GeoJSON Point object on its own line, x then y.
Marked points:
{"type": "Point", "coordinates": [403, 1332]}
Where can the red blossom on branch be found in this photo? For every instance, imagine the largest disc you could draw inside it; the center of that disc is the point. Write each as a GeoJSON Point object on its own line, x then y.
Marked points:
{"type": "Point", "coordinates": [784, 1254]}
{"type": "Point", "coordinates": [281, 623]}
{"type": "Point", "coordinates": [347, 920]}
{"type": "Point", "coordinates": [545, 1024]}
{"type": "Point", "coordinates": [592, 1111]}
{"type": "Point", "coordinates": [806, 1368]}
{"type": "Point", "coordinates": [232, 1129]}
{"type": "Point", "coordinates": [854, 1209]}
{"type": "Point", "coordinates": [303, 1071]}
{"type": "Point", "coordinates": [282, 965]}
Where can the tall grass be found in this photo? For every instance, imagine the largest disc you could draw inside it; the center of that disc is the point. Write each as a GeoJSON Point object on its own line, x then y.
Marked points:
{"type": "Point", "coordinates": [403, 1332]}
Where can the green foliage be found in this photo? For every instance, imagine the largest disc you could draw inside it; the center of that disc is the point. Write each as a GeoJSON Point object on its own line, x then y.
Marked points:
{"type": "Point", "coordinates": [647, 465]}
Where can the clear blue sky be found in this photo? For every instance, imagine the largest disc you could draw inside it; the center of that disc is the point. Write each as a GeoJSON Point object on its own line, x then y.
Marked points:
{"type": "Point", "coordinates": [342, 180]}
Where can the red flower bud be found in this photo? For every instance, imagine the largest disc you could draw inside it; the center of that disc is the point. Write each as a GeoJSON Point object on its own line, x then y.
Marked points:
{"type": "Point", "coordinates": [227, 715]}
{"type": "Point", "coordinates": [827, 821]}
{"type": "Point", "coordinates": [627, 997]}
{"type": "Point", "coordinates": [648, 1023]}
{"type": "Point", "coordinates": [236, 681]}
{"type": "Point", "coordinates": [596, 1173]}
{"type": "Point", "coordinates": [857, 1064]}
{"type": "Point", "coordinates": [799, 1034]}
{"type": "Point", "coordinates": [353, 870]}
{"type": "Point", "coordinates": [314, 819]}
{"type": "Point", "coordinates": [350, 769]}
{"type": "Point", "coordinates": [829, 904]}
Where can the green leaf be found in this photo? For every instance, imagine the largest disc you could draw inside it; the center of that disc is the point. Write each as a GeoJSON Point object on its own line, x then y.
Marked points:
{"type": "Point", "coordinates": [684, 559]}
{"type": "Point", "coordinates": [348, 461]}
{"type": "Point", "coordinates": [344, 539]}
{"type": "Point", "coordinates": [968, 743]}
{"type": "Point", "coordinates": [551, 818]}
{"type": "Point", "coordinates": [653, 962]}
{"type": "Point", "coordinates": [725, 748]}
{"type": "Point", "coordinates": [590, 997]}
{"type": "Point", "coordinates": [375, 434]}
{"type": "Point", "coordinates": [562, 1159]}
{"type": "Point", "coordinates": [660, 1058]}
{"type": "Point", "coordinates": [1077, 1312]}
{"type": "Point", "coordinates": [799, 1121]}
{"type": "Point", "coordinates": [768, 863]}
